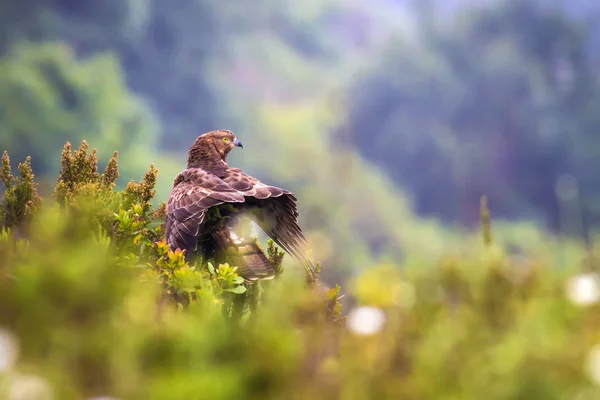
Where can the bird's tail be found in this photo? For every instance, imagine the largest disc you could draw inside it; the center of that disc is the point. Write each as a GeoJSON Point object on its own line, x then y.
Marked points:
{"type": "Point", "coordinates": [251, 260]}
{"type": "Point", "coordinates": [241, 249]}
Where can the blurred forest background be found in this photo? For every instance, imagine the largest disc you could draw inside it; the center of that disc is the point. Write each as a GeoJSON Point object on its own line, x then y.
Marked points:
{"type": "Point", "coordinates": [389, 118]}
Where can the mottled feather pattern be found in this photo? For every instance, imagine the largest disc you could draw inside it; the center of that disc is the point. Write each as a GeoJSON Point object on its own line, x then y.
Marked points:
{"type": "Point", "coordinates": [210, 184]}
{"type": "Point", "coordinates": [194, 192]}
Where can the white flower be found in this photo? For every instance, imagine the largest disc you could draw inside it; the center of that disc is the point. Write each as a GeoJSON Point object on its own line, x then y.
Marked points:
{"type": "Point", "coordinates": [8, 351]}
{"type": "Point", "coordinates": [103, 398]}
{"type": "Point", "coordinates": [593, 364]}
{"type": "Point", "coordinates": [583, 289]}
{"type": "Point", "coordinates": [26, 387]}
{"type": "Point", "coordinates": [365, 320]}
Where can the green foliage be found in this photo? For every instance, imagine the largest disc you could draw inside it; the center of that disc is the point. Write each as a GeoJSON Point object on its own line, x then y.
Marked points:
{"type": "Point", "coordinates": [94, 309]}
{"type": "Point", "coordinates": [51, 96]}
{"type": "Point", "coordinates": [86, 192]}
{"type": "Point", "coordinates": [20, 200]}
{"type": "Point", "coordinates": [495, 100]}
{"type": "Point", "coordinates": [128, 284]}
{"type": "Point", "coordinates": [275, 256]}
{"type": "Point", "coordinates": [486, 228]}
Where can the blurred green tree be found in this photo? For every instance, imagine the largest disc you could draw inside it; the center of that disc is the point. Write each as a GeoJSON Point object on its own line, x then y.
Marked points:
{"type": "Point", "coordinates": [498, 102]}
{"type": "Point", "coordinates": [165, 50]}
{"type": "Point", "coordinates": [50, 96]}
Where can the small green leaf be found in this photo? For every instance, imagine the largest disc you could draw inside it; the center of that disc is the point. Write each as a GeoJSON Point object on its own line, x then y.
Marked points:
{"type": "Point", "coordinates": [211, 269]}
{"type": "Point", "coordinates": [237, 290]}
{"type": "Point", "coordinates": [155, 223]}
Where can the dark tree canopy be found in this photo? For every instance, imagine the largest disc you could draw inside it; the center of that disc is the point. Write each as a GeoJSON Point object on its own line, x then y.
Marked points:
{"type": "Point", "coordinates": [502, 102]}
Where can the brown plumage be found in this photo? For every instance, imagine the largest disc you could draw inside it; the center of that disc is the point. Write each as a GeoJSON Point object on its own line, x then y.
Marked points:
{"type": "Point", "coordinates": [209, 199]}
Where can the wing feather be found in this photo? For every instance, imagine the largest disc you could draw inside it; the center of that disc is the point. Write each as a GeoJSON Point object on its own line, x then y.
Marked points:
{"type": "Point", "coordinates": [194, 191]}
{"type": "Point", "coordinates": [276, 213]}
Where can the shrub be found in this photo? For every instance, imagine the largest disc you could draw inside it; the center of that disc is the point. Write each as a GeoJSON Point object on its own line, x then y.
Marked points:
{"type": "Point", "coordinates": [94, 303]}
{"type": "Point", "coordinates": [20, 200]}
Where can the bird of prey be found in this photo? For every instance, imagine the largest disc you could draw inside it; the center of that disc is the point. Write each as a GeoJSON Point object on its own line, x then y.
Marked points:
{"type": "Point", "coordinates": [208, 203]}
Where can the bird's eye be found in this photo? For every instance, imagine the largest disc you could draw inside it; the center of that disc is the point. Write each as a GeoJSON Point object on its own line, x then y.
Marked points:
{"type": "Point", "coordinates": [226, 139]}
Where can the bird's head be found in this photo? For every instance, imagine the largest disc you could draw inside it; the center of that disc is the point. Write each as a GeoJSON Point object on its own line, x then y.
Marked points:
{"type": "Point", "coordinates": [212, 147]}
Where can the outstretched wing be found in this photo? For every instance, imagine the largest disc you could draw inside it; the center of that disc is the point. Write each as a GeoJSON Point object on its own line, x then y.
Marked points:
{"type": "Point", "coordinates": [275, 211]}
{"type": "Point", "coordinates": [194, 192]}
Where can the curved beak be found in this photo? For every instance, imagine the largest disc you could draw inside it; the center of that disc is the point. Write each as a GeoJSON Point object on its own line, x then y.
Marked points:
{"type": "Point", "coordinates": [238, 143]}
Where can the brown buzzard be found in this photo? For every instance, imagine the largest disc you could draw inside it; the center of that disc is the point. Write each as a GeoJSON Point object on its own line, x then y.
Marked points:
{"type": "Point", "coordinates": [209, 199]}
